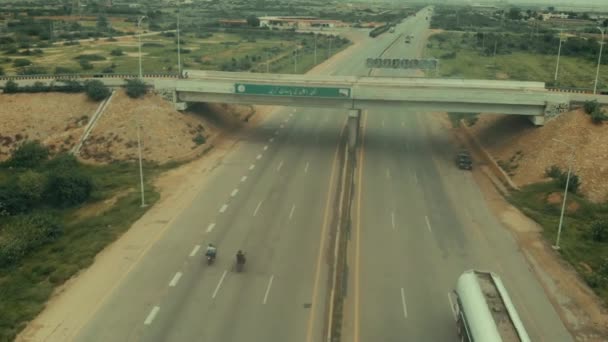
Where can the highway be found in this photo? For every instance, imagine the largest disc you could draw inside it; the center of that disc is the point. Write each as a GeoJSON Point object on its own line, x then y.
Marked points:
{"type": "Point", "coordinates": [271, 196]}
{"type": "Point", "coordinates": [419, 222]}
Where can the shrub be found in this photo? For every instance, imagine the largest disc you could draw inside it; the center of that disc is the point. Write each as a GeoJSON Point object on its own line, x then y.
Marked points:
{"type": "Point", "coordinates": [11, 87]}
{"type": "Point", "coordinates": [63, 70]}
{"type": "Point", "coordinates": [152, 45]}
{"type": "Point", "coordinates": [85, 65]}
{"type": "Point", "coordinates": [23, 234]}
{"type": "Point", "coordinates": [71, 86]}
{"type": "Point", "coordinates": [135, 88]}
{"type": "Point", "coordinates": [13, 201]}
{"type": "Point", "coordinates": [2, 73]}
{"type": "Point", "coordinates": [591, 106]}
{"type": "Point", "coordinates": [598, 116]}
{"type": "Point", "coordinates": [32, 70]}
{"type": "Point", "coordinates": [30, 154]}
{"type": "Point", "coordinates": [21, 62]}
{"type": "Point", "coordinates": [603, 269]}
{"type": "Point", "coordinates": [63, 162]}
{"type": "Point", "coordinates": [67, 189]}
{"type": "Point", "coordinates": [31, 184]}
{"type": "Point", "coordinates": [90, 57]}
{"type": "Point", "coordinates": [96, 90]}
{"type": "Point", "coordinates": [199, 139]}
{"type": "Point", "coordinates": [573, 184]}
{"type": "Point", "coordinates": [553, 172]}
{"type": "Point", "coordinates": [599, 230]}
{"type": "Point", "coordinates": [117, 52]}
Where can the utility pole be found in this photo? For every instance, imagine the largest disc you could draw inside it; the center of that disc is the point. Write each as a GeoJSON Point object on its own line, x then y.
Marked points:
{"type": "Point", "coordinates": [599, 61]}
{"type": "Point", "coordinates": [315, 34]}
{"type": "Point", "coordinates": [141, 172]}
{"type": "Point", "coordinates": [179, 56]}
{"type": "Point", "coordinates": [559, 52]}
{"type": "Point", "coordinates": [139, 39]}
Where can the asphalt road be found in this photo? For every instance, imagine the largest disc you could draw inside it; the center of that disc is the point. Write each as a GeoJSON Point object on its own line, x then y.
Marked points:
{"type": "Point", "coordinates": [271, 197]}
{"type": "Point", "coordinates": [419, 223]}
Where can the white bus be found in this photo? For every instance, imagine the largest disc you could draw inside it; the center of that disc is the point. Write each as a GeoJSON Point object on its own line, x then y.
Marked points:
{"type": "Point", "coordinates": [484, 311]}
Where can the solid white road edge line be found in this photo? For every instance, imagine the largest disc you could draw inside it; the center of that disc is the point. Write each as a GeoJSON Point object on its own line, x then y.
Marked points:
{"type": "Point", "coordinates": [452, 307]}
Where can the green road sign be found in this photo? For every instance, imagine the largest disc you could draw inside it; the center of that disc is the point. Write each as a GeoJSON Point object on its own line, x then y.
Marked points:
{"type": "Point", "coordinates": [278, 90]}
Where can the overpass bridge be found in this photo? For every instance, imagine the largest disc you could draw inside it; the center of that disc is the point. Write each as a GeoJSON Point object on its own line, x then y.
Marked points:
{"type": "Point", "coordinates": [351, 93]}
{"type": "Point", "coordinates": [363, 92]}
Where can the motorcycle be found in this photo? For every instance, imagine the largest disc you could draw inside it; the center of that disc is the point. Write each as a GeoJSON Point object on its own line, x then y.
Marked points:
{"type": "Point", "coordinates": [240, 263]}
{"type": "Point", "coordinates": [210, 259]}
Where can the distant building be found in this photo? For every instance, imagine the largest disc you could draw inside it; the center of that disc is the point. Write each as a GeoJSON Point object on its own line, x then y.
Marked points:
{"type": "Point", "coordinates": [549, 16]}
{"type": "Point", "coordinates": [299, 22]}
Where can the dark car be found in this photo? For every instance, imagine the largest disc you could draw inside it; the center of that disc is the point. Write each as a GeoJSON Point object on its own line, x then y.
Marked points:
{"type": "Point", "coordinates": [463, 160]}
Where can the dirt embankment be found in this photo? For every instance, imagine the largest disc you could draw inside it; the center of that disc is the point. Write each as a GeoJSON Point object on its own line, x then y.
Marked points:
{"type": "Point", "coordinates": [527, 151]}
{"type": "Point", "coordinates": [58, 121]}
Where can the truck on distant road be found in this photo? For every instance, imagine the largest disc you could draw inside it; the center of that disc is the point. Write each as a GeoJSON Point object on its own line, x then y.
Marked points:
{"type": "Point", "coordinates": [484, 311]}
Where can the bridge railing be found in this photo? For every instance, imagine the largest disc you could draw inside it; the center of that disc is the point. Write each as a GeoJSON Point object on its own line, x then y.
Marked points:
{"type": "Point", "coordinates": [85, 75]}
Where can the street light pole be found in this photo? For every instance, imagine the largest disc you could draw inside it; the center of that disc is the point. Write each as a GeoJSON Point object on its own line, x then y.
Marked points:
{"type": "Point", "coordinates": [599, 61]}
{"type": "Point", "coordinates": [139, 39]}
{"type": "Point", "coordinates": [141, 171]}
{"type": "Point", "coordinates": [179, 50]}
{"type": "Point", "coordinates": [561, 217]}
{"type": "Point", "coordinates": [315, 34]}
{"type": "Point", "coordinates": [559, 52]}
{"type": "Point", "coordinates": [295, 61]}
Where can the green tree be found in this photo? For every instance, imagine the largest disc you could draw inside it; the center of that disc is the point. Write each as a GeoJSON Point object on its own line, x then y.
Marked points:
{"type": "Point", "coordinates": [30, 154]}
{"type": "Point", "coordinates": [136, 88]}
{"type": "Point", "coordinates": [96, 90]}
{"type": "Point", "coordinates": [66, 189]}
{"type": "Point", "coordinates": [514, 13]}
{"type": "Point", "coordinates": [254, 21]}
{"type": "Point", "coordinates": [573, 184]}
{"type": "Point", "coordinates": [31, 184]}
{"type": "Point", "coordinates": [11, 87]}
{"type": "Point", "coordinates": [590, 106]}
{"type": "Point", "coordinates": [85, 65]}
{"type": "Point", "coordinates": [21, 62]}
{"type": "Point", "coordinates": [117, 52]}
{"type": "Point", "coordinates": [102, 23]}
{"type": "Point", "coordinates": [599, 230]}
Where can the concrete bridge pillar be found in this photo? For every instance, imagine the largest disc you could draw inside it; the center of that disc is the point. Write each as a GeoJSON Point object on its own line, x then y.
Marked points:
{"type": "Point", "coordinates": [353, 128]}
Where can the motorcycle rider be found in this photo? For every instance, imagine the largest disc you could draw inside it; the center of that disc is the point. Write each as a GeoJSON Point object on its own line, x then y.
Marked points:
{"type": "Point", "coordinates": [211, 251]}
{"type": "Point", "coordinates": [240, 257]}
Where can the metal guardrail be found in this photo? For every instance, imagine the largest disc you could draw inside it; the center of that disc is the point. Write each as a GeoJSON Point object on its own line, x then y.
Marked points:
{"type": "Point", "coordinates": [81, 76]}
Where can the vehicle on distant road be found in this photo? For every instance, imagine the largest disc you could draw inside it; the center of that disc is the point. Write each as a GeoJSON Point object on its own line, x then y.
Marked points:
{"type": "Point", "coordinates": [464, 160]}
{"type": "Point", "coordinates": [484, 311]}
{"type": "Point", "coordinates": [392, 30]}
